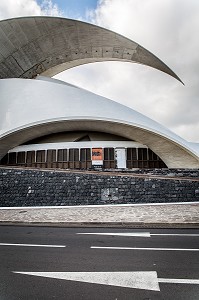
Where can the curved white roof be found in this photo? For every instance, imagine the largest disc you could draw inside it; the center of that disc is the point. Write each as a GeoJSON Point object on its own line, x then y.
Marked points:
{"type": "Point", "coordinates": [27, 104]}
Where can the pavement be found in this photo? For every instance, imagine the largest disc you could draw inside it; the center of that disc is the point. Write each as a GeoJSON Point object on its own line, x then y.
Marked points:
{"type": "Point", "coordinates": [173, 215]}
{"type": "Point", "coordinates": [48, 263]}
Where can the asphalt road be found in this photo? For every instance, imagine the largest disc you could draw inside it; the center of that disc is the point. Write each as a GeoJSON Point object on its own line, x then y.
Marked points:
{"type": "Point", "coordinates": [98, 266]}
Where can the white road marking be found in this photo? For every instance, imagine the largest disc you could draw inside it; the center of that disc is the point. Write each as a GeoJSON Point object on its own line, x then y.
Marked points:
{"type": "Point", "coordinates": [135, 248]}
{"type": "Point", "coordinates": [178, 281]}
{"type": "Point", "coordinates": [174, 234]}
{"type": "Point", "coordinates": [32, 245]}
{"type": "Point", "coordinates": [136, 280]}
{"type": "Point", "coordinates": [136, 234]}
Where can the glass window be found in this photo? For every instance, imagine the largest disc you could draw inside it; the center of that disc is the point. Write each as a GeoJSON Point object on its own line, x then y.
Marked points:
{"type": "Point", "coordinates": [85, 154]}
{"type": "Point", "coordinates": [51, 155]}
{"type": "Point", "coordinates": [12, 158]}
{"type": "Point", "coordinates": [40, 156]}
{"type": "Point", "coordinates": [140, 154]}
{"type": "Point", "coordinates": [62, 155]}
{"type": "Point", "coordinates": [21, 157]}
{"type": "Point", "coordinates": [82, 154]}
{"type": "Point", "coordinates": [145, 154]}
{"type": "Point", "coordinates": [131, 154]}
{"type": "Point", "coordinates": [109, 154]}
{"type": "Point", "coordinates": [155, 157]}
{"type": "Point", "coordinates": [150, 154]}
{"type": "Point", "coordinates": [30, 157]}
{"type": "Point", "coordinates": [73, 154]}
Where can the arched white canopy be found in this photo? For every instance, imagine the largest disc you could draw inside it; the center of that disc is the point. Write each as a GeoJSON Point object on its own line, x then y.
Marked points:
{"type": "Point", "coordinates": [34, 108]}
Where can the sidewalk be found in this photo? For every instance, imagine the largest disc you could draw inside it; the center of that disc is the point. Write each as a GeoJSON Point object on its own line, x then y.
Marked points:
{"type": "Point", "coordinates": [176, 215]}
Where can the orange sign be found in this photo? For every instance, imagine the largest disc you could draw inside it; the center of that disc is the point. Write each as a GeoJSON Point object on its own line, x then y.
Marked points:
{"type": "Point", "coordinates": [97, 154]}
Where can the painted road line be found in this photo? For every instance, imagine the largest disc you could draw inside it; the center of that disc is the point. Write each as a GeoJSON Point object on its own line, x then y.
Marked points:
{"type": "Point", "coordinates": [136, 234]}
{"type": "Point", "coordinates": [178, 281]}
{"type": "Point", "coordinates": [174, 234]}
{"type": "Point", "coordinates": [135, 248]}
{"type": "Point", "coordinates": [136, 280]}
{"type": "Point", "coordinates": [32, 245]}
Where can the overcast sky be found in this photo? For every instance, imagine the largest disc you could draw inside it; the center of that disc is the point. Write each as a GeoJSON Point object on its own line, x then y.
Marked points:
{"type": "Point", "coordinates": [167, 28]}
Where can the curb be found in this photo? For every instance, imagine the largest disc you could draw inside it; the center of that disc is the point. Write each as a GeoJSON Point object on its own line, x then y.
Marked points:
{"type": "Point", "coordinates": [103, 224]}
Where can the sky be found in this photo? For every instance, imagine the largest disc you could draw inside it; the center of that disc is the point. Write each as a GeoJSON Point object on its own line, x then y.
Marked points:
{"type": "Point", "coordinates": [167, 28]}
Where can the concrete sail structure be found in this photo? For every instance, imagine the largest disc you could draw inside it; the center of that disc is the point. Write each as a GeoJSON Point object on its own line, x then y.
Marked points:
{"type": "Point", "coordinates": [48, 123]}
{"type": "Point", "coordinates": [48, 46]}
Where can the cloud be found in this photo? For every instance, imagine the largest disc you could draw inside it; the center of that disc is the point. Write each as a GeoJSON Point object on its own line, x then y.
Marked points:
{"type": "Point", "coordinates": [167, 28]}
{"type": "Point", "coordinates": [19, 8]}
{"type": "Point", "coordinates": [48, 8]}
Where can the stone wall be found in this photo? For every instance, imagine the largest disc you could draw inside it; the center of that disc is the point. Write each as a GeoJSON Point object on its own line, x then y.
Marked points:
{"type": "Point", "coordinates": [25, 187]}
{"type": "Point", "coordinates": [189, 173]}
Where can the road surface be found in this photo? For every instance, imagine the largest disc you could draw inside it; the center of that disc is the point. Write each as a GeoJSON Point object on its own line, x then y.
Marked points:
{"type": "Point", "coordinates": [98, 263]}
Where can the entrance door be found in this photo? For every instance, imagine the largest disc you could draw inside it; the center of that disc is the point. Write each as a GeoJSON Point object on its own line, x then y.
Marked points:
{"type": "Point", "coordinates": [120, 156]}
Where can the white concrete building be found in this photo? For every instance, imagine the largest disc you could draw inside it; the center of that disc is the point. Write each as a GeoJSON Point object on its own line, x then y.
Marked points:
{"type": "Point", "coordinates": [48, 123]}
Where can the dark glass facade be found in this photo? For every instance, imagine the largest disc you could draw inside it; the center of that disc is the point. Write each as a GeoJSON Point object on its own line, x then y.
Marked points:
{"type": "Point", "coordinates": [76, 158]}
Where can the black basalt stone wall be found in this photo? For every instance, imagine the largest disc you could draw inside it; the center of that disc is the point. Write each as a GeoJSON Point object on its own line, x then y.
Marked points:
{"type": "Point", "coordinates": [23, 187]}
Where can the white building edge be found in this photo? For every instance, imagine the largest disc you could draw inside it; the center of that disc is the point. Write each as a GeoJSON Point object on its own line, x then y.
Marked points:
{"type": "Point", "coordinates": [48, 123]}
